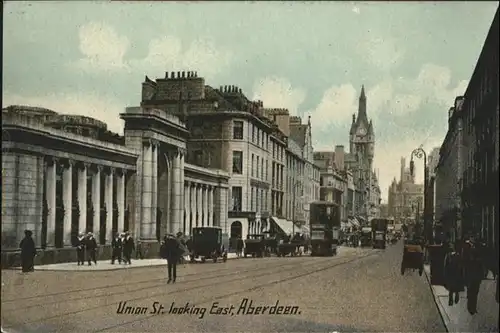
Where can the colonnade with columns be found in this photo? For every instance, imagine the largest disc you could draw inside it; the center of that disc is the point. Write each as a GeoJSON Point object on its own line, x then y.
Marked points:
{"type": "Point", "coordinates": [198, 206]}
{"type": "Point", "coordinates": [257, 226]}
{"type": "Point", "coordinates": [59, 199]}
{"type": "Point", "coordinates": [150, 178]}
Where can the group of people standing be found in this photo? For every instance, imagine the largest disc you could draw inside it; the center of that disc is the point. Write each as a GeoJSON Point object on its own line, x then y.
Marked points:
{"type": "Point", "coordinates": [122, 246]}
{"type": "Point", "coordinates": [464, 270]}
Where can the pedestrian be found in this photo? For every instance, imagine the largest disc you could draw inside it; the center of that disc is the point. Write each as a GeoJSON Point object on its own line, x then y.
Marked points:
{"type": "Point", "coordinates": [453, 275]}
{"type": "Point", "coordinates": [28, 252]}
{"type": "Point", "coordinates": [139, 251]}
{"type": "Point", "coordinates": [80, 249]}
{"type": "Point", "coordinates": [91, 246]}
{"type": "Point", "coordinates": [473, 278]}
{"type": "Point", "coordinates": [171, 251]}
{"type": "Point", "coordinates": [116, 248]}
{"type": "Point", "coordinates": [239, 246]}
{"type": "Point", "coordinates": [128, 247]}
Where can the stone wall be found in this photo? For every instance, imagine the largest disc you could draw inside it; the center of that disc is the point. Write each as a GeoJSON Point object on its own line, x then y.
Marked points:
{"type": "Point", "coordinates": [22, 192]}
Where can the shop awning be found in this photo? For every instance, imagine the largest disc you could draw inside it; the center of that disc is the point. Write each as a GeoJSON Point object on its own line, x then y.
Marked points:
{"type": "Point", "coordinates": [285, 225]}
{"type": "Point", "coordinates": [305, 230]}
{"type": "Point", "coordinates": [354, 222]}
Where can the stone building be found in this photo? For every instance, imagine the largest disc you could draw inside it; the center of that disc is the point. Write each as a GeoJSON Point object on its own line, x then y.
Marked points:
{"type": "Point", "coordinates": [405, 197]}
{"type": "Point", "coordinates": [480, 138]}
{"type": "Point", "coordinates": [449, 175]}
{"type": "Point", "coordinates": [66, 174]}
{"type": "Point", "coordinates": [432, 162]}
{"type": "Point", "coordinates": [301, 186]}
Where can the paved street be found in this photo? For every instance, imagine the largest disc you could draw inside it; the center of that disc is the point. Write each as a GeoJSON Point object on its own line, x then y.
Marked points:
{"type": "Point", "coordinates": [360, 290]}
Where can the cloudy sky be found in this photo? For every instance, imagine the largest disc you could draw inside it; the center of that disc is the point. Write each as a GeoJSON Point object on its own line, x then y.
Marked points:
{"type": "Point", "coordinates": [312, 58]}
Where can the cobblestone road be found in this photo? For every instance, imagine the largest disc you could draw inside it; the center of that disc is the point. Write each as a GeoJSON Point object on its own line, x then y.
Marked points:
{"type": "Point", "coordinates": [356, 291]}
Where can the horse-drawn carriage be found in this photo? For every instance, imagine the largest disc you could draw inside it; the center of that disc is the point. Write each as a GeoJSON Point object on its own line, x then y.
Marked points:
{"type": "Point", "coordinates": [293, 247]}
{"type": "Point", "coordinates": [255, 245]}
{"type": "Point", "coordinates": [413, 257]}
{"type": "Point", "coordinates": [206, 242]}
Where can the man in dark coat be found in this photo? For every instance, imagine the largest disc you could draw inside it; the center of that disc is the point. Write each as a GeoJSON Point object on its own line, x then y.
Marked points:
{"type": "Point", "coordinates": [453, 274]}
{"type": "Point", "coordinates": [473, 277]}
{"type": "Point", "coordinates": [116, 245]}
{"type": "Point", "coordinates": [28, 252]}
{"type": "Point", "coordinates": [128, 247]}
{"type": "Point", "coordinates": [239, 246]}
{"type": "Point", "coordinates": [80, 249]}
{"type": "Point", "coordinates": [171, 251]}
{"type": "Point", "coordinates": [91, 246]}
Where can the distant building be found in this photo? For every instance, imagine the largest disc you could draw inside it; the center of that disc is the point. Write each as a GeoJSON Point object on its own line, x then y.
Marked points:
{"type": "Point", "coordinates": [405, 198]}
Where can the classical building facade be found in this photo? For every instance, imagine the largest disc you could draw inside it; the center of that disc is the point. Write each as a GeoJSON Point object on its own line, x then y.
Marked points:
{"type": "Point", "coordinates": [448, 175]}
{"type": "Point", "coordinates": [405, 197]}
{"type": "Point", "coordinates": [479, 197]}
{"type": "Point", "coordinates": [66, 174]}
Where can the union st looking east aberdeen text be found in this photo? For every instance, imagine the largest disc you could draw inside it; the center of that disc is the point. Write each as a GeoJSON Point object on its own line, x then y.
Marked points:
{"type": "Point", "coordinates": [246, 307]}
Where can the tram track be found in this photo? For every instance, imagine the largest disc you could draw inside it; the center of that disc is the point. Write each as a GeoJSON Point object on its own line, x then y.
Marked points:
{"type": "Point", "coordinates": [79, 290]}
{"type": "Point", "coordinates": [270, 269]}
{"type": "Point", "coordinates": [212, 299]}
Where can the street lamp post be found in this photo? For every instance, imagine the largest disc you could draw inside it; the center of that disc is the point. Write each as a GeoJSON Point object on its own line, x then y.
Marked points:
{"type": "Point", "coordinates": [420, 153]}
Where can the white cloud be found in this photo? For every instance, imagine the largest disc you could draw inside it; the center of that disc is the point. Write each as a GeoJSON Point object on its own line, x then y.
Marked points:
{"type": "Point", "coordinates": [336, 107]}
{"type": "Point", "coordinates": [90, 105]}
{"type": "Point", "coordinates": [168, 54]}
{"type": "Point", "coordinates": [278, 92]}
{"type": "Point", "coordinates": [356, 10]}
{"type": "Point", "coordinates": [102, 47]}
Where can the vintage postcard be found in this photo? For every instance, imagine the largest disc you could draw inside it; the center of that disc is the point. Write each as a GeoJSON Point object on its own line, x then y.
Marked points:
{"type": "Point", "coordinates": [249, 167]}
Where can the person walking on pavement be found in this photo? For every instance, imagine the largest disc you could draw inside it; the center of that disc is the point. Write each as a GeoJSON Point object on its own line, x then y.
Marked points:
{"type": "Point", "coordinates": [28, 252]}
{"type": "Point", "coordinates": [171, 251]}
{"type": "Point", "coordinates": [139, 250]}
{"type": "Point", "coordinates": [117, 247]}
{"type": "Point", "coordinates": [128, 247]}
{"type": "Point", "coordinates": [91, 246]}
{"type": "Point", "coordinates": [239, 246]}
{"type": "Point", "coordinates": [453, 275]}
{"type": "Point", "coordinates": [80, 249]}
{"type": "Point", "coordinates": [473, 278]}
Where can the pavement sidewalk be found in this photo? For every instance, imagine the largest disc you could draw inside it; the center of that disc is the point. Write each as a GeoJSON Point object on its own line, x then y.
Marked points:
{"type": "Point", "coordinates": [457, 319]}
{"type": "Point", "coordinates": [105, 265]}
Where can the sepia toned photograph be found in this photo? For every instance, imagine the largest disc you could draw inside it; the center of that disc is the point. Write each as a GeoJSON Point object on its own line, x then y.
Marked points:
{"type": "Point", "coordinates": [259, 167]}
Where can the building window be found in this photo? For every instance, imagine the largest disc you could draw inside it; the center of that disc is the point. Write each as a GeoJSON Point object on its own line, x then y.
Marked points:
{"type": "Point", "coordinates": [267, 171]}
{"type": "Point", "coordinates": [237, 162]}
{"type": "Point", "coordinates": [236, 193]}
{"type": "Point", "coordinates": [253, 133]}
{"type": "Point", "coordinates": [262, 169]}
{"type": "Point", "coordinates": [198, 157]}
{"type": "Point", "coordinates": [258, 136]}
{"type": "Point", "coordinates": [251, 199]}
{"type": "Point", "coordinates": [257, 167]}
{"type": "Point", "coordinates": [263, 140]}
{"type": "Point", "coordinates": [253, 172]}
{"type": "Point", "coordinates": [238, 130]}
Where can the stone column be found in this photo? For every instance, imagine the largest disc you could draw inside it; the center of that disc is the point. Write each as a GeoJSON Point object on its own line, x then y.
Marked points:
{"type": "Point", "coordinates": [146, 191]}
{"type": "Point", "coordinates": [205, 206]}
{"type": "Point", "coordinates": [199, 206]}
{"type": "Point", "coordinates": [211, 206]}
{"type": "Point", "coordinates": [51, 201]}
{"type": "Point", "coordinates": [96, 201]}
{"type": "Point", "coordinates": [120, 192]}
{"type": "Point", "coordinates": [108, 200]}
{"type": "Point", "coordinates": [178, 162]}
{"type": "Point", "coordinates": [82, 197]}
{"type": "Point", "coordinates": [67, 199]}
{"type": "Point", "coordinates": [192, 193]}
{"type": "Point", "coordinates": [187, 205]}
{"type": "Point", "coordinates": [181, 187]}
{"type": "Point", "coordinates": [154, 188]}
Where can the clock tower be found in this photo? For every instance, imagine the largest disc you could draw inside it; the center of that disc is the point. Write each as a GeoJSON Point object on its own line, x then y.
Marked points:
{"type": "Point", "coordinates": [362, 150]}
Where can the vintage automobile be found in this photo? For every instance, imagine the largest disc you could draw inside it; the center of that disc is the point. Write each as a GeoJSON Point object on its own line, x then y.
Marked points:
{"type": "Point", "coordinates": [413, 257]}
{"type": "Point", "coordinates": [206, 242]}
{"type": "Point", "coordinates": [255, 245]}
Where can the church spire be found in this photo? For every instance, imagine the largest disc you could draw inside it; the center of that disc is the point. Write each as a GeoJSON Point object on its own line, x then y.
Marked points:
{"type": "Point", "coordinates": [362, 117]}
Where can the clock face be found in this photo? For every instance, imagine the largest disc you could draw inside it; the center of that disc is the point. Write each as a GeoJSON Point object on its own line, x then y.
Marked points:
{"type": "Point", "coordinates": [362, 131]}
